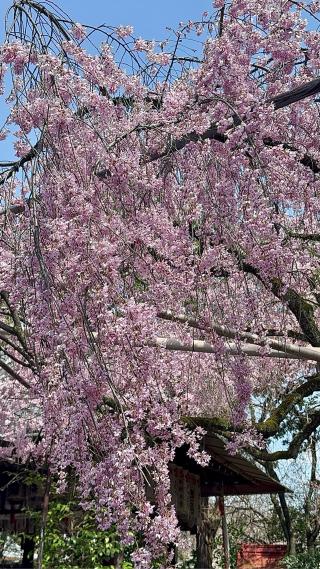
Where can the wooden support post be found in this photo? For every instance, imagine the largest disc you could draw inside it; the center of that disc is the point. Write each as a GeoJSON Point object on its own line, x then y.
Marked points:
{"type": "Point", "coordinates": [28, 551]}
{"type": "Point", "coordinates": [204, 538]}
{"type": "Point", "coordinates": [225, 535]}
{"type": "Point", "coordinates": [45, 510]}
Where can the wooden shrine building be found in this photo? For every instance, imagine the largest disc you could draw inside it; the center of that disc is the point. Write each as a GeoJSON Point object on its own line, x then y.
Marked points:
{"type": "Point", "coordinates": [191, 485]}
{"type": "Point", "coordinates": [226, 475]}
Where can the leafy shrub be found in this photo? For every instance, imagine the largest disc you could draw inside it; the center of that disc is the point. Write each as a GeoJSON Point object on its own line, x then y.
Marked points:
{"type": "Point", "coordinates": [73, 540]}
{"type": "Point", "coordinates": [305, 560]}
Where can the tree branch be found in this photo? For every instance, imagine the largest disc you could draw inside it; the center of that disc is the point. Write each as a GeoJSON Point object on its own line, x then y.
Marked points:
{"type": "Point", "coordinates": [314, 237]}
{"type": "Point", "coordinates": [14, 375]}
{"type": "Point", "coordinates": [226, 332]}
{"type": "Point", "coordinates": [15, 166]}
{"type": "Point", "coordinates": [212, 133]}
{"type": "Point", "coordinates": [295, 445]}
{"type": "Point", "coordinates": [298, 94]}
{"type": "Point", "coordinates": [280, 101]}
{"type": "Point", "coordinates": [287, 351]}
{"type": "Point", "coordinates": [300, 308]}
{"type": "Point", "coordinates": [269, 427]}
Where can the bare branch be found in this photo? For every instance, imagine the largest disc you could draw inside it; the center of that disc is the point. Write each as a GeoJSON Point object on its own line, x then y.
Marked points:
{"type": "Point", "coordinates": [14, 375]}
{"type": "Point", "coordinates": [15, 166]}
{"type": "Point", "coordinates": [226, 332]}
{"type": "Point", "coordinates": [287, 351]}
{"type": "Point", "coordinates": [312, 424]}
{"type": "Point", "coordinates": [267, 427]}
{"type": "Point", "coordinates": [298, 94]}
{"type": "Point", "coordinates": [300, 307]}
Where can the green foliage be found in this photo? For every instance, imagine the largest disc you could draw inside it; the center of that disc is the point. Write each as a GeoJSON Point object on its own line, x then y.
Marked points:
{"type": "Point", "coordinates": [187, 563]}
{"type": "Point", "coordinates": [237, 534]}
{"type": "Point", "coordinates": [305, 560]}
{"type": "Point", "coordinates": [73, 540]}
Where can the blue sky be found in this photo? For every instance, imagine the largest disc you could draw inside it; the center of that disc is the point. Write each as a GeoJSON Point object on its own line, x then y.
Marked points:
{"type": "Point", "coordinates": [148, 17]}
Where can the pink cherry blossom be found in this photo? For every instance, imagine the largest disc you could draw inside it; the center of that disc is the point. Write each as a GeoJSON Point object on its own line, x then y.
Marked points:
{"type": "Point", "coordinates": [124, 31]}
{"type": "Point", "coordinates": [156, 246]}
{"type": "Point", "coordinates": [78, 31]}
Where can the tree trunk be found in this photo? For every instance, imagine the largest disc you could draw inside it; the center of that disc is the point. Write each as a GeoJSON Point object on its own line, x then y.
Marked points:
{"type": "Point", "coordinates": [206, 531]}
{"type": "Point", "coordinates": [281, 508]}
{"type": "Point", "coordinates": [312, 521]}
{"type": "Point", "coordinates": [225, 536]}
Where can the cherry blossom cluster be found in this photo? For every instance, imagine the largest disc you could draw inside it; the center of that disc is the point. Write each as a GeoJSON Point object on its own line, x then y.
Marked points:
{"type": "Point", "coordinates": [132, 209]}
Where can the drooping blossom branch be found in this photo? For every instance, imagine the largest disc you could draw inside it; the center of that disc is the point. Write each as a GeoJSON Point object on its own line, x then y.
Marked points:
{"type": "Point", "coordinates": [162, 180]}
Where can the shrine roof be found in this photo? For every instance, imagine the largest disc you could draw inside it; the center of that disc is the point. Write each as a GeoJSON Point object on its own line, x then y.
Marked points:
{"type": "Point", "coordinates": [228, 474]}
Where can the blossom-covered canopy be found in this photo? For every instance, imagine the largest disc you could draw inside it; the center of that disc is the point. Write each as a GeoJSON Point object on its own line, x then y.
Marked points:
{"type": "Point", "coordinates": [159, 246]}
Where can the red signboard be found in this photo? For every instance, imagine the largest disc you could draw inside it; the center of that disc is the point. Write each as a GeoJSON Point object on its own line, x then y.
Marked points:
{"type": "Point", "coordinates": [253, 556]}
